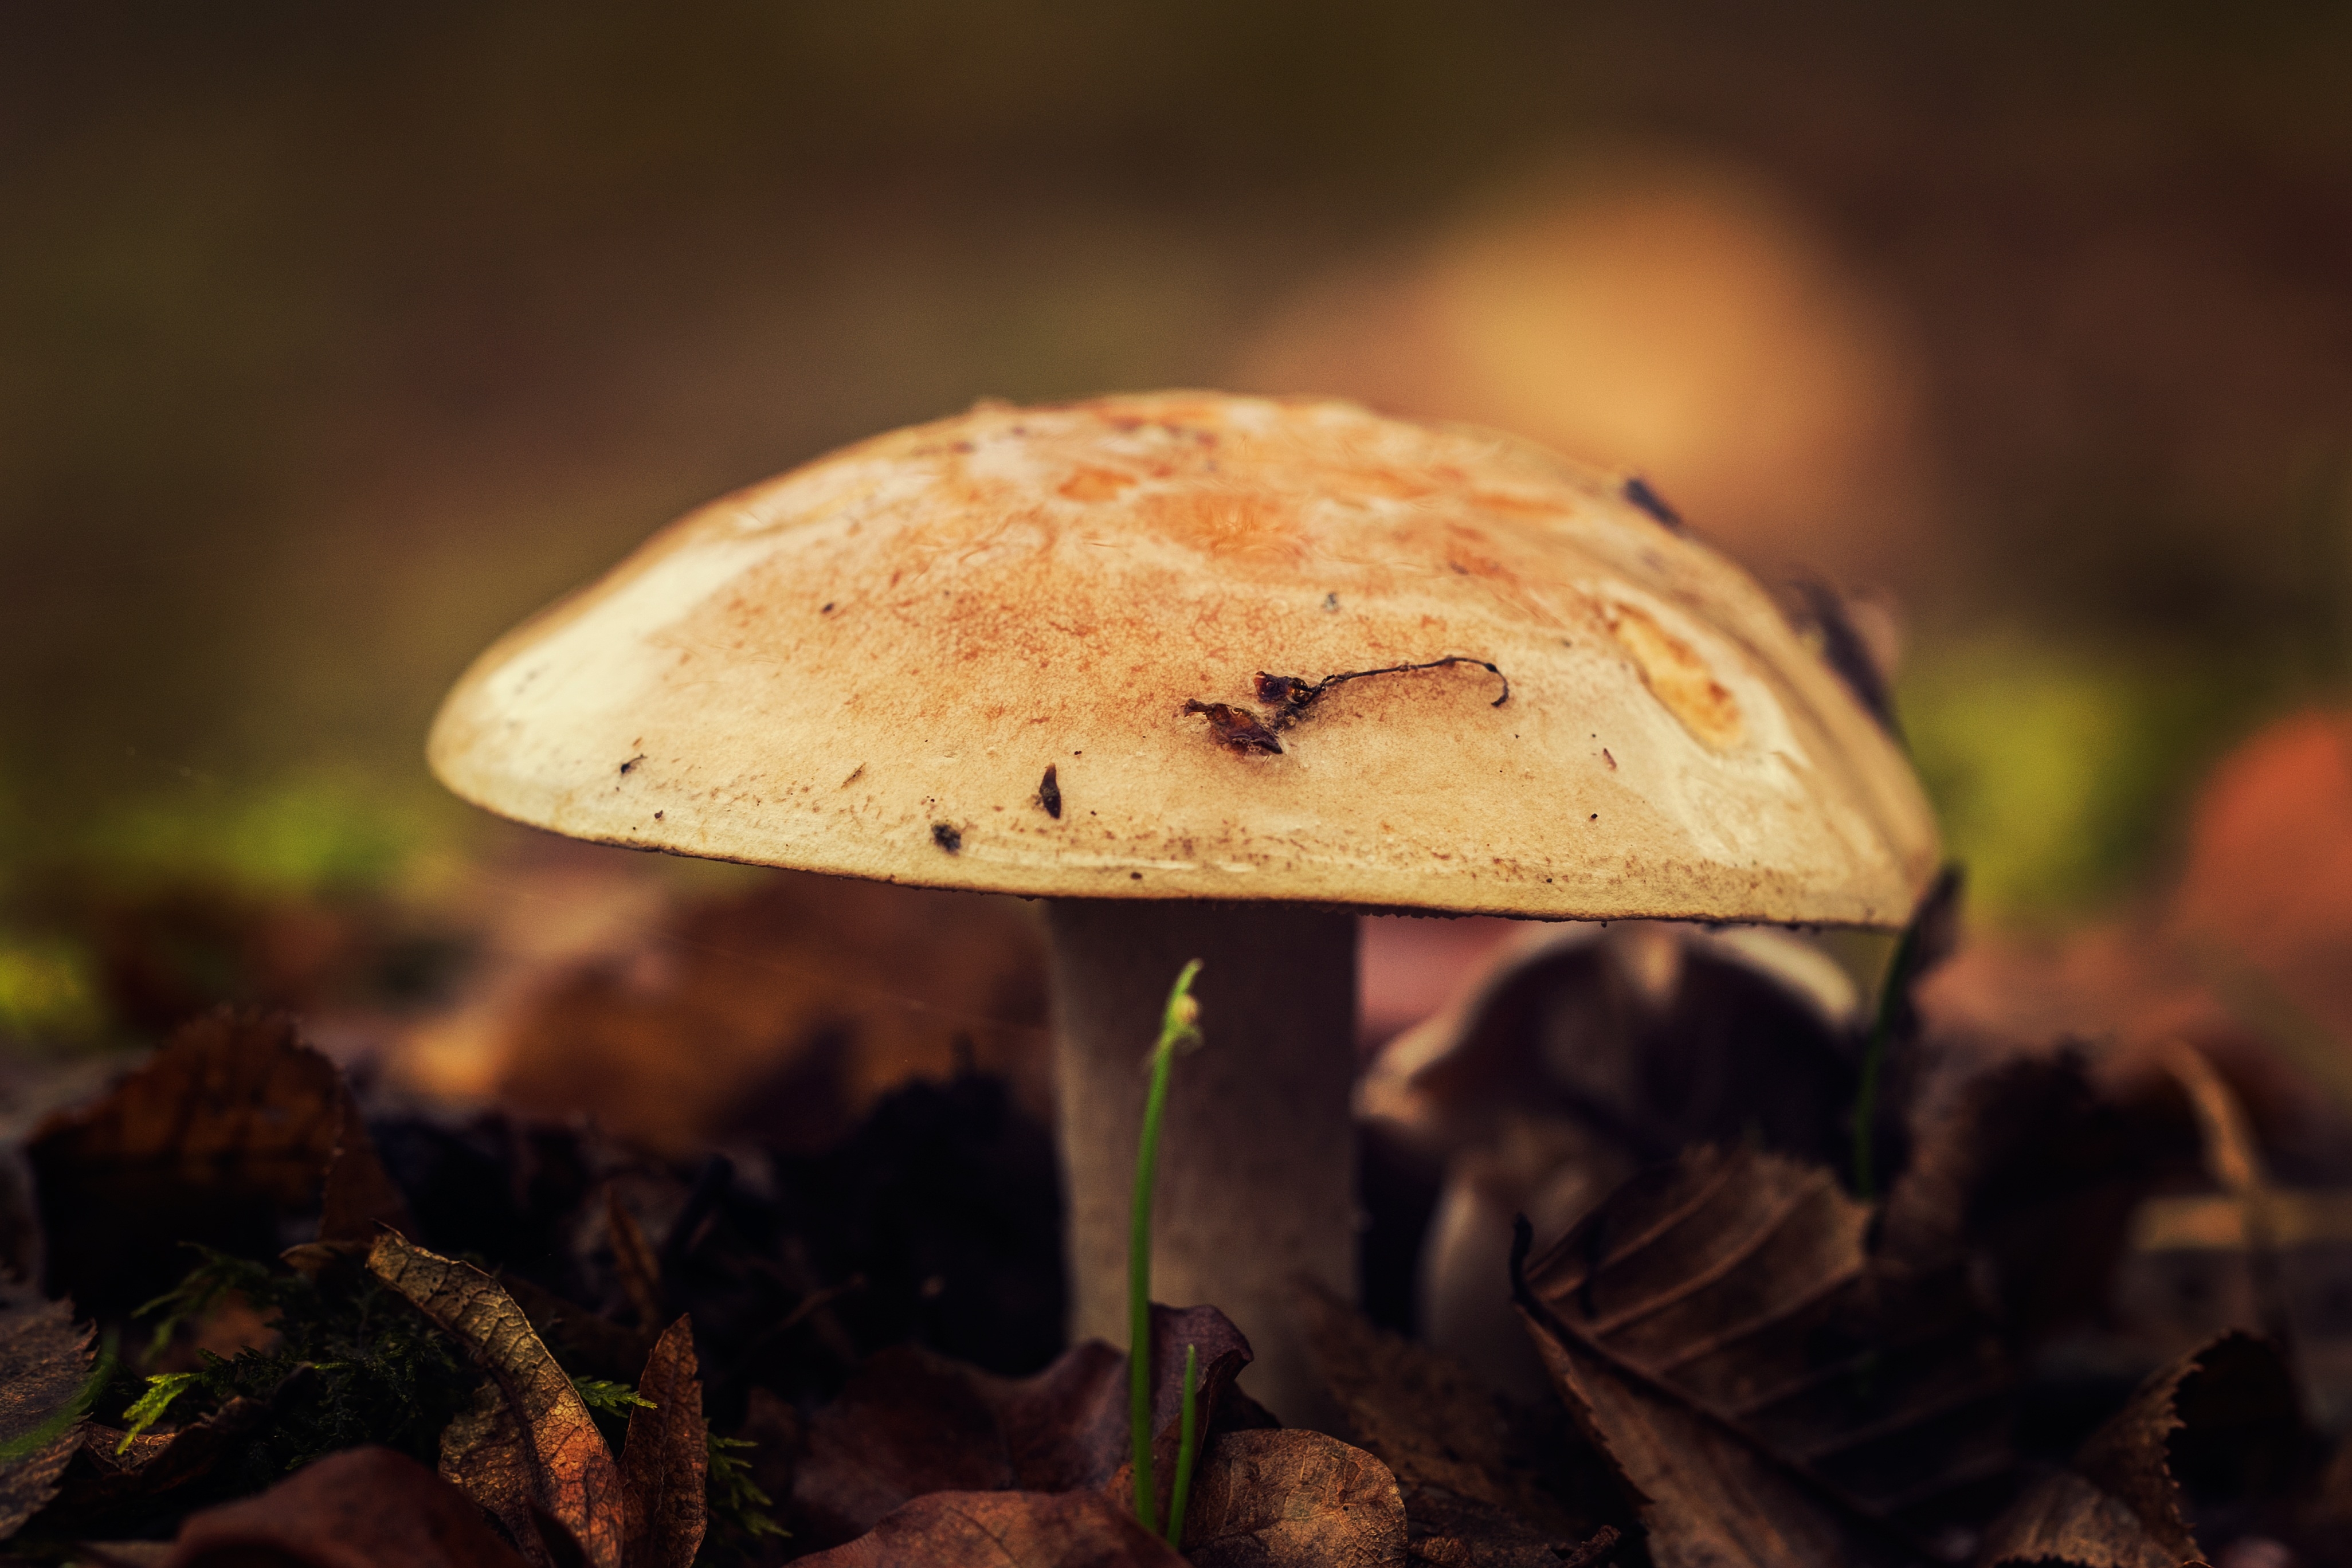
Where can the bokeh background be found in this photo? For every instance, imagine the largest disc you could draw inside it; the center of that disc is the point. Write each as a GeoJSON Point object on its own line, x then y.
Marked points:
{"type": "Point", "coordinates": [333, 339]}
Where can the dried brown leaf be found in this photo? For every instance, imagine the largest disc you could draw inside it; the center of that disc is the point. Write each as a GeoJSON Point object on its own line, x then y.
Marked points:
{"type": "Point", "coordinates": [44, 1358]}
{"type": "Point", "coordinates": [664, 1462]}
{"type": "Point", "coordinates": [1442, 1531]}
{"type": "Point", "coordinates": [634, 1260]}
{"type": "Point", "coordinates": [573, 1480]}
{"type": "Point", "coordinates": [1293, 1498]}
{"type": "Point", "coordinates": [910, 1423]}
{"type": "Point", "coordinates": [785, 1012]}
{"type": "Point", "coordinates": [224, 1130]}
{"type": "Point", "coordinates": [594, 1344]}
{"type": "Point", "coordinates": [485, 1456]}
{"type": "Point", "coordinates": [2027, 1166]}
{"type": "Point", "coordinates": [364, 1508]}
{"type": "Point", "coordinates": [1718, 1331]}
{"type": "Point", "coordinates": [1472, 1468]}
{"type": "Point", "coordinates": [358, 1199]}
{"type": "Point", "coordinates": [1004, 1530]}
{"type": "Point", "coordinates": [2224, 1415]}
{"type": "Point", "coordinates": [123, 1554]}
{"type": "Point", "coordinates": [105, 1476]}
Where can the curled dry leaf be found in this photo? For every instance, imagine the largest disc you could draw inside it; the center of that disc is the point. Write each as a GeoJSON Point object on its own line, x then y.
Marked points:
{"type": "Point", "coordinates": [44, 1358]}
{"type": "Point", "coordinates": [788, 1012]}
{"type": "Point", "coordinates": [108, 1476]}
{"type": "Point", "coordinates": [484, 1455]}
{"type": "Point", "coordinates": [598, 1346]}
{"type": "Point", "coordinates": [1580, 1054]}
{"type": "Point", "coordinates": [224, 1130]}
{"type": "Point", "coordinates": [1484, 1483]}
{"type": "Point", "coordinates": [666, 1460]}
{"type": "Point", "coordinates": [910, 1423]}
{"type": "Point", "coordinates": [1718, 1331]}
{"type": "Point", "coordinates": [364, 1508]}
{"type": "Point", "coordinates": [1004, 1530]}
{"type": "Point", "coordinates": [1293, 1498]}
{"type": "Point", "coordinates": [2025, 1164]}
{"type": "Point", "coordinates": [572, 1478]}
{"type": "Point", "coordinates": [358, 1199]}
{"type": "Point", "coordinates": [2221, 1420]}
{"type": "Point", "coordinates": [634, 1259]}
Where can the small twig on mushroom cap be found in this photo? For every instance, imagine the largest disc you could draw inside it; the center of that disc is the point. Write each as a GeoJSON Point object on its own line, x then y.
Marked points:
{"type": "Point", "coordinates": [1292, 695]}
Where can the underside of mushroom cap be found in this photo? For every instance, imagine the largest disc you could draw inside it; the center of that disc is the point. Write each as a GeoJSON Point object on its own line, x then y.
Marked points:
{"type": "Point", "coordinates": [1020, 651]}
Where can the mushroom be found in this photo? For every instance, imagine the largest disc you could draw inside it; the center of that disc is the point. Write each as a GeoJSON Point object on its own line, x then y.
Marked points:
{"type": "Point", "coordinates": [1580, 1053]}
{"type": "Point", "coordinates": [1208, 675]}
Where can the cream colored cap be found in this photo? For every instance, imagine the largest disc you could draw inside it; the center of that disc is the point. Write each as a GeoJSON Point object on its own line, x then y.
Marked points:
{"type": "Point", "coordinates": [868, 666]}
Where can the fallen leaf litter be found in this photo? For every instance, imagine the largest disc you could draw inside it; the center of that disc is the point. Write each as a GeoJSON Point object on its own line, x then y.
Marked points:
{"type": "Point", "coordinates": [1750, 1365]}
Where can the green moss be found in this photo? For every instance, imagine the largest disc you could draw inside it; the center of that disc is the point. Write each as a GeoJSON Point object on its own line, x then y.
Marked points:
{"type": "Point", "coordinates": [352, 1364]}
{"type": "Point", "coordinates": [2063, 777]}
{"type": "Point", "coordinates": [48, 991]}
{"type": "Point", "coordinates": [317, 834]}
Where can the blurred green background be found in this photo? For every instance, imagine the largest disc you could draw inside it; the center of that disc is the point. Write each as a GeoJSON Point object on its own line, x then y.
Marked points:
{"type": "Point", "coordinates": [333, 339]}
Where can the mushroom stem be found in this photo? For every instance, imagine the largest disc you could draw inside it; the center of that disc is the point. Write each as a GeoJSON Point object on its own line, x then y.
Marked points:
{"type": "Point", "coordinates": [1257, 1174]}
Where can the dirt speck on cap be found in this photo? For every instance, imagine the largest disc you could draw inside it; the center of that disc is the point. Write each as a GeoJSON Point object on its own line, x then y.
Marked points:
{"type": "Point", "coordinates": [1049, 791]}
{"type": "Point", "coordinates": [947, 836]}
{"type": "Point", "coordinates": [1235, 728]}
{"type": "Point", "coordinates": [1638, 491]}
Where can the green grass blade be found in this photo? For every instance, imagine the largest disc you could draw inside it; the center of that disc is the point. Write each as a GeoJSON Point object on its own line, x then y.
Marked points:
{"type": "Point", "coordinates": [1176, 1024]}
{"type": "Point", "coordinates": [1188, 1447]}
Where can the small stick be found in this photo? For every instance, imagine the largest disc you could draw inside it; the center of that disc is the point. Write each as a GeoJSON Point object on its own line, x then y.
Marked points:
{"type": "Point", "coordinates": [1294, 696]}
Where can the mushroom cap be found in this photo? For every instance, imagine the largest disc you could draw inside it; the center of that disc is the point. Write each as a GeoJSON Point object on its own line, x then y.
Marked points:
{"type": "Point", "coordinates": [868, 665]}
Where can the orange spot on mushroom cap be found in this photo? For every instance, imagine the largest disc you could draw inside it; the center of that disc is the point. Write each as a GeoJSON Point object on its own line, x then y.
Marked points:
{"type": "Point", "coordinates": [1678, 678]}
{"type": "Point", "coordinates": [1227, 522]}
{"type": "Point", "coordinates": [1095, 484]}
